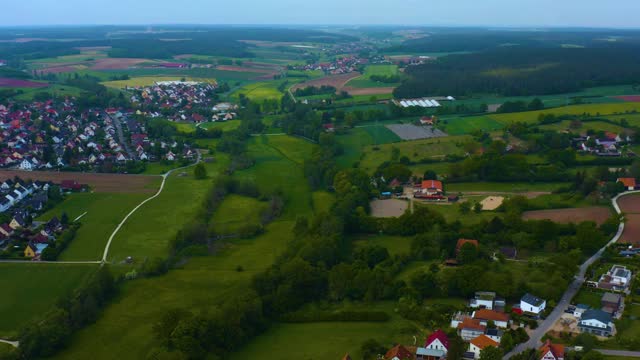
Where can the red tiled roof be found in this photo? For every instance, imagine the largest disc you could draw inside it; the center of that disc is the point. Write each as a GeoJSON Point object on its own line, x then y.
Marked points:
{"type": "Point", "coordinates": [486, 314]}
{"type": "Point", "coordinates": [628, 182]}
{"type": "Point", "coordinates": [484, 341]}
{"type": "Point", "coordinates": [432, 184]}
{"type": "Point", "coordinates": [469, 323]}
{"type": "Point", "coordinates": [438, 335]}
{"type": "Point", "coordinates": [399, 352]}
{"type": "Point", "coordinates": [556, 349]}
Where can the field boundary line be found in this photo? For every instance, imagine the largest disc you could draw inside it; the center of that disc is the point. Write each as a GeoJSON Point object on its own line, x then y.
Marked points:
{"type": "Point", "coordinates": [117, 229]}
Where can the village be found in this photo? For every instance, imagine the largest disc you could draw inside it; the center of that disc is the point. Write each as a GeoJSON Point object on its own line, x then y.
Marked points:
{"type": "Point", "coordinates": [55, 135]}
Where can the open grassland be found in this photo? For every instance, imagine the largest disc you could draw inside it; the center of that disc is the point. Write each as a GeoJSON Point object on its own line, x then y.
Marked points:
{"type": "Point", "coordinates": [201, 284]}
{"type": "Point", "coordinates": [31, 289]}
{"type": "Point", "coordinates": [414, 150]}
{"type": "Point", "coordinates": [103, 213]}
{"type": "Point", "coordinates": [60, 90]}
{"type": "Point", "coordinates": [236, 212]}
{"type": "Point", "coordinates": [330, 340]}
{"type": "Point", "coordinates": [147, 81]}
{"type": "Point", "coordinates": [355, 140]}
{"type": "Point", "coordinates": [451, 211]}
{"type": "Point", "coordinates": [467, 125]}
{"type": "Point", "coordinates": [365, 81]}
{"type": "Point", "coordinates": [278, 168]}
{"type": "Point", "coordinates": [531, 117]}
{"type": "Point", "coordinates": [394, 244]}
{"type": "Point", "coordinates": [586, 125]}
{"type": "Point", "coordinates": [260, 91]}
{"type": "Point", "coordinates": [191, 127]}
{"type": "Point", "coordinates": [148, 231]}
{"type": "Point", "coordinates": [502, 187]}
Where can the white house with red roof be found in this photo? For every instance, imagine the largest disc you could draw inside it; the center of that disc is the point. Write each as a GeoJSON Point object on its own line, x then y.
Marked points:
{"type": "Point", "coordinates": [435, 347]}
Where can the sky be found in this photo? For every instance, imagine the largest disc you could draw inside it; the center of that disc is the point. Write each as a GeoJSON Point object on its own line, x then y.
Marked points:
{"type": "Point", "coordinates": [508, 13]}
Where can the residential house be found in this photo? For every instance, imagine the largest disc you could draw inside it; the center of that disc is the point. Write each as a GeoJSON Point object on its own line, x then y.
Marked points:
{"type": "Point", "coordinates": [494, 334]}
{"type": "Point", "coordinates": [617, 278]}
{"type": "Point", "coordinates": [532, 304]}
{"type": "Point", "coordinates": [435, 347]}
{"type": "Point", "coordinates": [17, 222]}
{"type": "Point", "coordinates": [470, 328]}
{"type": "Point", "coordinates": [34, 250]}
{"type": "Point", "coordinates": [551, 351]}
{"type": "Point", "coordinates": [611, 302]}
{"type": "Point", "coordinates": [431, 187]}
{"type": "Point", "coordinates": [486, 300]}
{"type": "Point", "coordinates": [579, 310]}
{"type": "Point", "coordinates": [6, 230]}
{"type": "Point", "coordinates": [596, 322]}
{"type": "Point", "coordinates": [399, 352]}
{"type": "Point", "coordinates": [629, 183]}
{"type": "Point", "coordinates": [480, 343]}
{"type": "Point", "coordinates": [486, 316]}
{"type": "Point", "coordinates": [428, 120]}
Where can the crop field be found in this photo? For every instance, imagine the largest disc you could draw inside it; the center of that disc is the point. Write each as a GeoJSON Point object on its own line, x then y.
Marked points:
{"type": "Point", "coordinates": [109, 183]}
{"type": "Point", "coordinates": [467, 125]}
{"type": "Point", "coordinates": [597, 214]}
{"type": "Point", "coordinates": [592, 109]}
{"type": "Point", "coordinates": [260, 91]}
{"type": "Point", "coordinates": [103, 213]}
{"type": "Point", "coordinates": [146, 81]}
{"type": "Point", "coordinates": [630, 206]}
{"type": "Point", "coordinates": [148, 231]}
{"type": "Point", "coordinates": [337, 81]}
{"type": "Point", "coordinates": [19, 83]}
{"type": "Point", "coordinates": [31, 289]}
{"type": "Point", "coordinates": [235, 212]}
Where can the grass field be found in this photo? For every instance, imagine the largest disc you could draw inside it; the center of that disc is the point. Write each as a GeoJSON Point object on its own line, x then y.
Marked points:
{"type": "Point", "coordinates": [31, 289]}
{"type": "Point", "coordinates": [394, 244]}
{"type": "Point", "coordinates": [588, 297]}
{"type": "Point", "coordinates": [260, 91]}
{"type": "Point", "coordinates": [451, 212]}
{"type": "Point", "coordinates": [191, 127]}
{"type": "Point", "coordinates": [236, 212]}
{"type": "Point", "coordinates": [103, 213]}
{"type": "Point", "coordinates": [148, 231]}
{"type": "Point", "coordinates": [467, 125]}
{"type": "Point", "coordinates": [330, 340]}
{"type": "Point", "coordinates": [502, 187]}
{"type": "Point", "coordinates": [204, 281]}
{"type": "Point", "coordinates": [592, 109]}
{"type": "Point", "coordinates": [414, 150]}
{"type": "Point", "coordinates": [355, 140]}
{"type": "Point", "coordinates": [365, 81]}
{"type": "Point", "coordinates": [58, 90]}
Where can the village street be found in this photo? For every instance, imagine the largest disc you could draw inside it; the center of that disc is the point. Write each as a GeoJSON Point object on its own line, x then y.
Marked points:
{"type": "Point", "coordinates": [535, 337]}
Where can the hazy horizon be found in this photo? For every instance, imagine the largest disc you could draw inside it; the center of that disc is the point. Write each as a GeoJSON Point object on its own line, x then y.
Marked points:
{"type": "Point", "coordinates": [458, 13]}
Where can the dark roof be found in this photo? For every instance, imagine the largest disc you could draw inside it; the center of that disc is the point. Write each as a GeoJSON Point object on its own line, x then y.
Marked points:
{"type": "Point", "coordinates": [599, 315]}
{"type": "Point", "coordinates": [611, 298]}
{"type": "Point", "coordinates": [532, 299]}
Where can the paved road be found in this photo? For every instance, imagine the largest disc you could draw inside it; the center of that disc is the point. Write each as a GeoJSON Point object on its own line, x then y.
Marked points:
{"type": "Point", "coordinates": [121, 138]}
{"type": "Point", "coordinates": [12, 343]}
{"type": "Point", "coordinates": [535, 338]}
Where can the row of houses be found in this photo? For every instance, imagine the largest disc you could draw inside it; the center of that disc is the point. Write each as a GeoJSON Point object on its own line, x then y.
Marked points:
{"type": "Point", "coordinates": [607, 145]}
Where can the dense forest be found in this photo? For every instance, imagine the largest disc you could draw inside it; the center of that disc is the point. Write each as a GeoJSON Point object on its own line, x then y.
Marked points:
{"type": "Point", "coordinates": [517, 71]}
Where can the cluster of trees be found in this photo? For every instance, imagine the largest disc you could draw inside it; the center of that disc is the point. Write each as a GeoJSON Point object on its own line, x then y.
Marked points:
{"type": "Point", "coordinates": [313, 90]}
{"type": "Point", "coordinates": [522, 71]}
{"type": "Point", "coordinates": [520, 106]}
{"type": "Point", "coordinates": [387, 79]}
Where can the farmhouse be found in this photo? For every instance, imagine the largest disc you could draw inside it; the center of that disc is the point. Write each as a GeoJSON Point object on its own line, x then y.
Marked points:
{"type": "Point", "coordinates": [398, 352]}
{"type": "Point", "coordinates": [550, 351]}
{"type": "Point", "coordinates": [596, 322]}
{"type": "Point", "coordinates": [532, 304]}
{"type": "Point", "coordinates": [428, 120]}
{"type": "Point", "coordinates": [480, 343]}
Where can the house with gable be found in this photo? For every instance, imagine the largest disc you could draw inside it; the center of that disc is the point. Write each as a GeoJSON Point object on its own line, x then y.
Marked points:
{"type": "Point", "coordinates": [435, 347]}
{"type": "Point", "coordinates": [629, 183]}
{"type": "Point", "coordinates": [596, 322]}
{"type": "Point", "coordinates": [485, 316]}
{"type": "Point", "coordinates": [480, 343]}
{"type": "Point", "coordinates": [399, 352]}
{"type": "Point", "coordinates": [532, 304]}
{"type": "Point", "coordinates": [551, 351]}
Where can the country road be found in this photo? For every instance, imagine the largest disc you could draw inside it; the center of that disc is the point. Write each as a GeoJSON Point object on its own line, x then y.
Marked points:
{"type": "Point", "coordinates": [546, 325]}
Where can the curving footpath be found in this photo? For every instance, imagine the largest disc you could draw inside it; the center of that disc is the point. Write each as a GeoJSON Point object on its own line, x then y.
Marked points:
{"type": "Point", "coordinates": [535, 340]}
{"type": "Point", "coordinates": [164, 180]}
